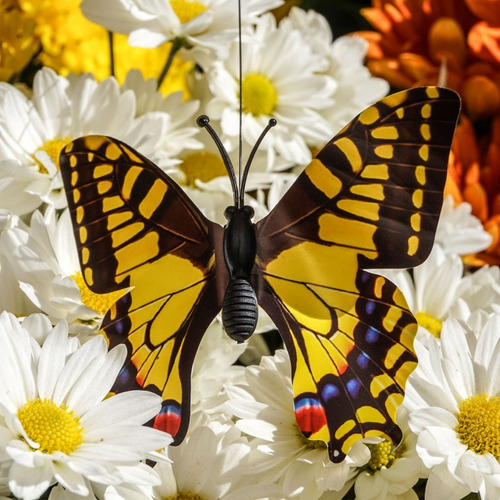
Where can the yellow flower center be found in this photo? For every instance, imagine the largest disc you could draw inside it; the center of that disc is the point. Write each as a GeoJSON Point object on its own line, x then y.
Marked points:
{"type": "Point", "coordinates": [202, 165]}
{"type": "Point", "coordinates": [259, 95]}
{"type": "Point", "coordinates": [479, 424]}
{"type": "Point", "coordinates": [54, 428]}
{"type": "Point", "coordinates": [186, 10]}
{"type": "Point", "coordinates": [382, 455]}
{"type": "Point", "coordinates": [185, 495]}
{"type": "Point", "coordinates": [53, 148]}
{"type": "Point", "coordinates": [99, 302]}
{"type": "Point", "coordinates": [430, 323]}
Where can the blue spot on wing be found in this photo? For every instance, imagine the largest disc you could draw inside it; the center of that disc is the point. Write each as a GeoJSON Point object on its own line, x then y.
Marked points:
{"type": "Point", "coordinates": [363, 360]}
{"type": "Point", "coordinates": [371, 335]}
{"type": "Point", "coordinates": [370, 307]}
{"type": "Point", "coordinates": [353, 385]}
{"type": "Point", "coordinates": [329, 391]}
{"type": "Point", "coordinates": [119, 327]}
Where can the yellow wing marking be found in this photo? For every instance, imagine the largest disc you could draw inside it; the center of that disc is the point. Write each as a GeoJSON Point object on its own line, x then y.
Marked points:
{"type": "Point", "coordinates": [323, 178]}
{"type": "Point", "coordinates": [369, 116]}
{"type": "Point", "coordinates": [370, 414]}
{"type": "Point", "coordinates": [129, 181]}
{"type": "Point", "coordinates": [385, 151]}
{"type": "Point", "coordinates": [426, 111]}
{"type": "Point", "coordinates": [347, 232]}
{"type": "Point", "coordinates": [351, 152]}
{"type": "Point", "coordinates": [111, 203]}
{"type": "Point", "coordinates": [153, 198]}
{"type": "Point", "coordinates": [374, 191]}
{"type": "Point", "coordinates": [420, 175]}
{"type": "Point", "coordinates": [137, 252]}
{"type": "Point", "coordinates": [102, 170]}
{"type": "Point", "coordinates": [365, 209]}
{"type": "Point", "coordinates": [289, 264]}
{"type": "Point", "coordinates": [377, 171]}
{"type": "Point", "coordinates": [157, 313]}
{"type": "Point", "coordinates": [120, 236]}
{"type": "Point", "coordinates": [386, 132]}
{"type": "Point", "coordinates": [423, 152]}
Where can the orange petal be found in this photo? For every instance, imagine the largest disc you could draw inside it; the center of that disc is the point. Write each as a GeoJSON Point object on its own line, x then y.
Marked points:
{"type": "Point", "coordinates": [476, 196]}
{"type": "Point", "coordinates": [495, 206]}
{"type": "Point", "coordinates": [481, 97]}
{"type": "Point", "coordinates": [479, 68]}
{"type": "Point", "coordinates": [472, 175]}
{"type": "Point", "coordinates": [416, 66]}
{"type": "Point", "coordinates": [447, 42]}
{"type": "Point", "coordinates": [390, 70]}
{"type": "Point", "coordinates": [373, 38]}
{"type": "Point", "coordinates": [451, 189]}
{"type": "Point", "coordinates": [377, 19]}
{"type": "Point", "coordinates": [493, 227]}
{"type": "Point", "coordinates": [464, 144]}
{"type": "Point", "coordinates": [489, 10]}
{"type": "Point", "coordinates": [484, 42]}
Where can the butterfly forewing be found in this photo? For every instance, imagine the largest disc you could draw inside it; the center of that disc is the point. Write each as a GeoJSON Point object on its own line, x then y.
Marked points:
{"type": "Point", "coordinates": [136, 230]}
{"type": "Point", "coordinates": [370, 199]}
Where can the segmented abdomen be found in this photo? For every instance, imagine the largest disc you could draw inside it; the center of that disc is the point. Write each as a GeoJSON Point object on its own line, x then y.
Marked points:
{"type": "Point", "coordinates": [239, 309]}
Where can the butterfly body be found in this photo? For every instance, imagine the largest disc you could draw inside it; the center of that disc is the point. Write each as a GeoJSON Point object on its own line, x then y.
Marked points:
{"type": "Point", "coordinates": [239, 309]}
{"type": "Point", "coordinates": [369, 200]}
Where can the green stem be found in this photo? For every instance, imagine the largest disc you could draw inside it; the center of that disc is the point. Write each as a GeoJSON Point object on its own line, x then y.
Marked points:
{"type": "Point", "coordinates": [111, 54]}
{"type": "Point", "coordinates": [177, 44]}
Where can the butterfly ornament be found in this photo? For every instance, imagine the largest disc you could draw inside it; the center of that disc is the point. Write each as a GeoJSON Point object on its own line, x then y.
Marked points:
{"type": "Point", "coordinates": [370, 199]}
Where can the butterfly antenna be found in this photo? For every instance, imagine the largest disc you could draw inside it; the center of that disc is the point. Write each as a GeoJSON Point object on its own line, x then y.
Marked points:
{"type": "Point", "coordinates": [272, 122]}
{"type": "Point", "coordinates": [204, 122]}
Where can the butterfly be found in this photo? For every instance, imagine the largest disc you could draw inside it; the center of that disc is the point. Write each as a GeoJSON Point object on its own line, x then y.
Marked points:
{"type": "Point", "coordinates": [370, 199]}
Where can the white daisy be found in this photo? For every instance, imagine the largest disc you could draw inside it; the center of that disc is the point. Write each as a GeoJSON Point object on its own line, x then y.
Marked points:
{"type": "Point", "coordinates": [280, 80]}
{"type": "Point", "coordinates": [453, 400]}
{"type": "Point", "coordinates": [11, 297]}
{"type": "Point", "coordinates": [391, 474]}
{"type": "Point", "coordinates": [438, 289]}
{"type": "Point", "coordinates": [56, 425]}
{"type": "Point", "coordinates": [214, 367]}
{"type": "Point", "coordinates": [280, 453]}
{"type": "Point", "coordinates": [33, 132]}
{"type": "Point", "coordinates": [206, 24]}
{"type": "Point", "coordinates": [181, 130]}
{"type": "Point", "coordinates": [208, 464]}
{"type": "Point", "coordinates": [459, 231]}
{"type": "Point", "coordinates": [355, 88]}
{"type": "Point", "coordinates": [44, 262]}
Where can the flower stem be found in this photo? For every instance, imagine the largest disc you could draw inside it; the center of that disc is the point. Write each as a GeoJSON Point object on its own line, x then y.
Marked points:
{"type": "Point", "coordinates": [177, 43]}
{"type": "Point", "coordinates": [111, 53]}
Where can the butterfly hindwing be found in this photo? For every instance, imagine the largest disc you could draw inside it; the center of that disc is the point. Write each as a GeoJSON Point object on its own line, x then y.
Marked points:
{"type": "Point", "coordinates": [136, 230]}
{"type": "Point", "coordinates": [370, 199]}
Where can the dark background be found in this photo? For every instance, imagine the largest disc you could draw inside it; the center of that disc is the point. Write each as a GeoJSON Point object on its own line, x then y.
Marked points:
{"type": "Point", "coordinates": [343, 15]}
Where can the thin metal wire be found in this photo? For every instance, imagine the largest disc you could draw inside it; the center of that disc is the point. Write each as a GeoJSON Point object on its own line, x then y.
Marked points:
{"type": "Point", "coordinates": [240, 132]}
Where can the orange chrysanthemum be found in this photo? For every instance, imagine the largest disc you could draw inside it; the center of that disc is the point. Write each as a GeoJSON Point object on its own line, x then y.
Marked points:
{"type": "Point", "coordinates": [474, 177]}
{"type": "Point", "coordinates": [416, 39]}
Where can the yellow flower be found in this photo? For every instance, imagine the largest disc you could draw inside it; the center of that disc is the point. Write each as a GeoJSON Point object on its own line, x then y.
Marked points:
{"type": "Point", "coordinates": [19, 43]}
{"type": "Point", "coordinates": [73, 44]}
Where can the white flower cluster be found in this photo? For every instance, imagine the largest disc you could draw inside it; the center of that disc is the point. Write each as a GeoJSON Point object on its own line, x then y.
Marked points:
{"type": "Point", "coordinates": [60, 433]}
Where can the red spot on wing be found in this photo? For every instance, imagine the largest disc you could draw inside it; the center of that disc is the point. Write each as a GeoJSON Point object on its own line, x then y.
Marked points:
{"type": "Point", "coordinates": [310, 415]}
{"type": "Point", "coordinates": [169, 419]}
